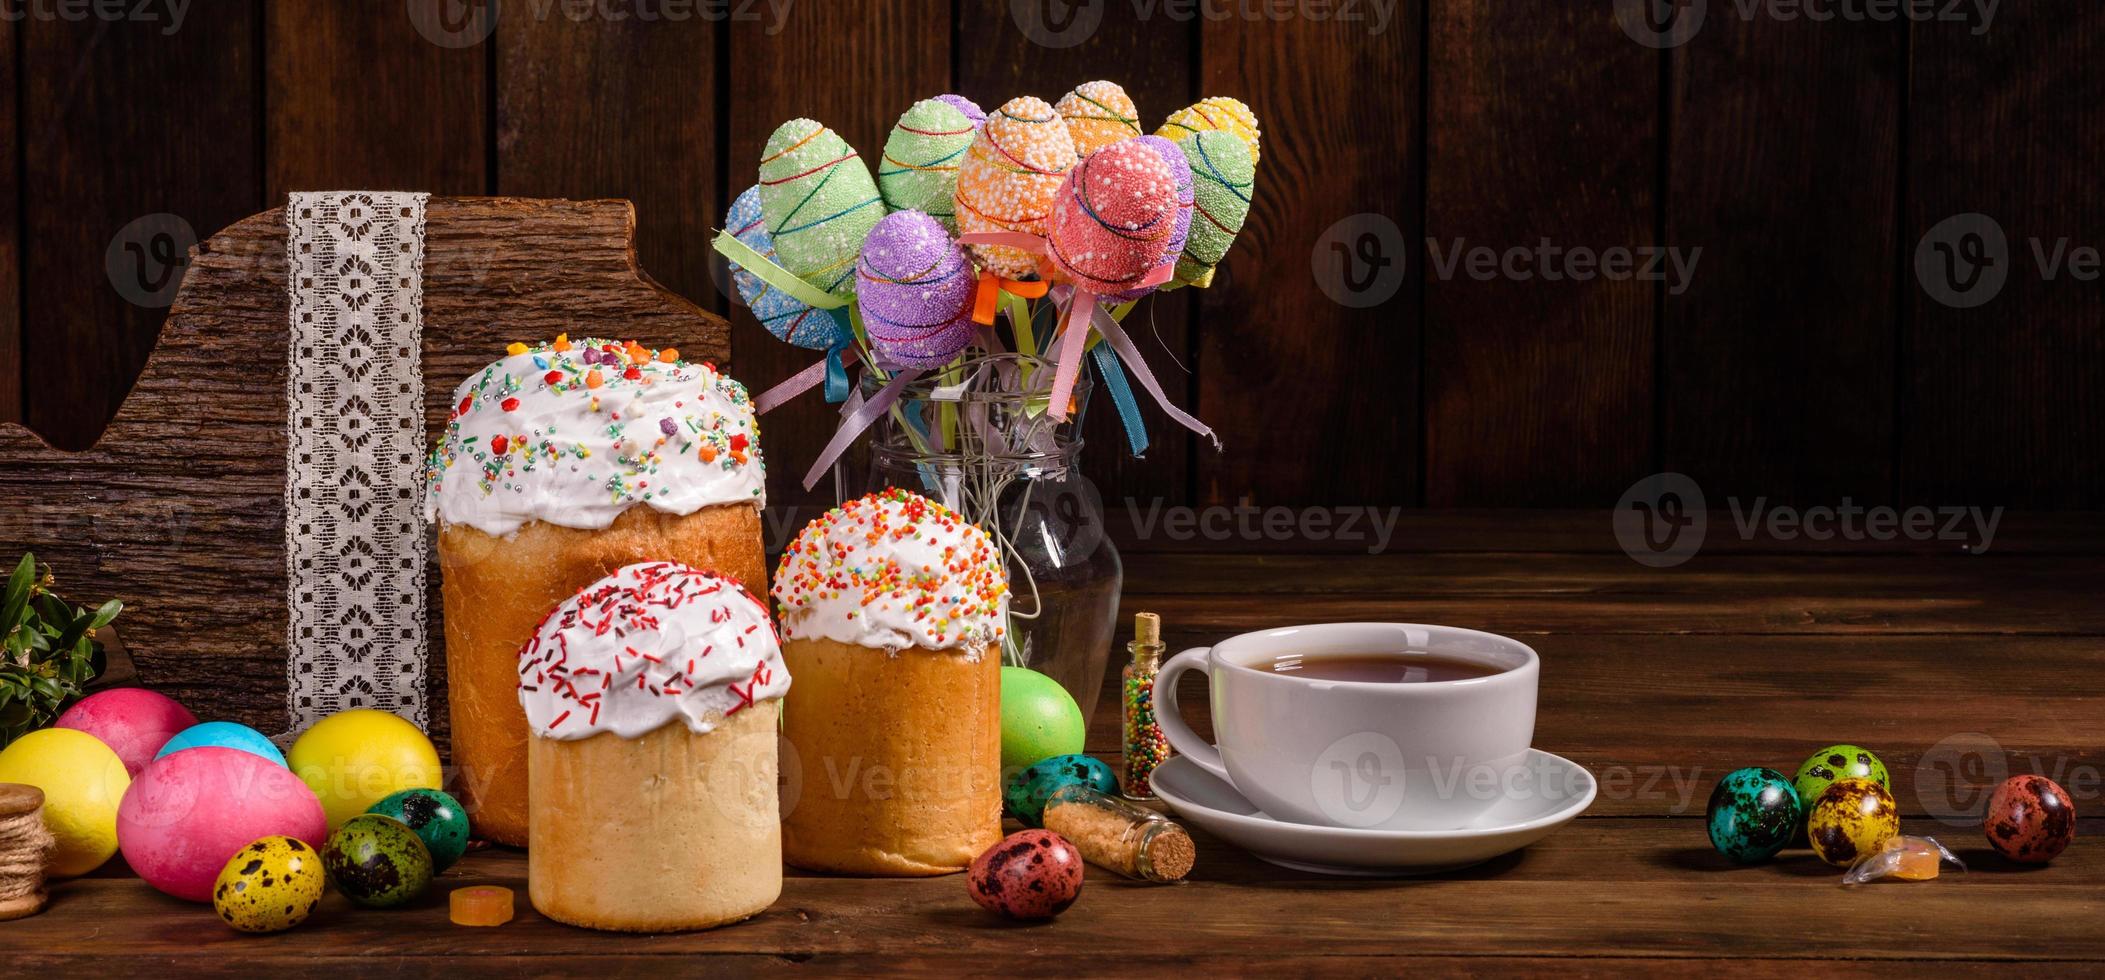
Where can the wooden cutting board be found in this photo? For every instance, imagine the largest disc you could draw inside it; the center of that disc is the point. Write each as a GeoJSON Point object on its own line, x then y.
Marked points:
{"type": "Point", "coordinates": [179, 509]}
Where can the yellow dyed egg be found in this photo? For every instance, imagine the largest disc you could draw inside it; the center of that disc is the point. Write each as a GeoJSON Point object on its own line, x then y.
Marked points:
{"type": "Point", "coordinates": [1217, 113]}
{"type": "Point", "coordinates": [353, 759]}
{"type": "Point", "coordinates": [1099, 114]}
{"type": "Point", "coordinates": [83, 781]}
{"type": "Point", "coordinates": [1010, 178]}
{"type": "Point", "coordinates": [1852, 818]}
{"type": "Point", "coordinates": [269, 886]}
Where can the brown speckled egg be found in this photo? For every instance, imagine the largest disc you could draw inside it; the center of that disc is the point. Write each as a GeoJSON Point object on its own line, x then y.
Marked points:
{"type": "Point", "coordinates": [1031, 874]}
{"type": "Point", "coordinates": [2030, 819]}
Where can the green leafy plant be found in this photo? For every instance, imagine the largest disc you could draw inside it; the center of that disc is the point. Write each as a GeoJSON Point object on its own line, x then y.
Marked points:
{"type": "Point", "coordinates": [49, 652]}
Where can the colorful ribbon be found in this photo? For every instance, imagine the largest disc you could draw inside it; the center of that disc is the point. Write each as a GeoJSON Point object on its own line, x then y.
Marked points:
{"type": "Point", "coordinates": [833, 368]}
{"type": "Point", "coordinates": [1115, 336]}
{"type": "Point", "coordinates": [1122, 398]}
{"type": "Point", "coordinates": [854, 419]}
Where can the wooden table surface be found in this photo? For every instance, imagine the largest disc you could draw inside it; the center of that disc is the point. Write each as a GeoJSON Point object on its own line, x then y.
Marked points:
{"type": "Point", "coordinates": [1657, 680]}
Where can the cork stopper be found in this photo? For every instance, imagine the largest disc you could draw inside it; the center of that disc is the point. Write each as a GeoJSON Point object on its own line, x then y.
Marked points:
{"type": "Point", "coordinates": [1147, 629]}
{"type": "Point", "coordinates": [17, 799]}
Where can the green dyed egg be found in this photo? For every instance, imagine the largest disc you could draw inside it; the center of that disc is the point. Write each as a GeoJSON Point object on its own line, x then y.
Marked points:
{"type": "Point", "coordinates": [1836, 762]}
{"type": "Point", "coordinates": [1753, 814]}
{"type": "Point", "coordinates": [439, 820]}
{"type": "Point", "coordinates": [377, 861]}
{"type": "Point", "coordinates": [1224, 179]}
{"type": "Point", "coordinates": [269, 886]}
{"type": "Point", "coordinates": [819, 203]}
{"type": "Point", "coordinates": [1039, 719]}
{"type": "Point", "coordinates": [1026, 793]}
{"type": "Point", "coordinates": [921, 158]}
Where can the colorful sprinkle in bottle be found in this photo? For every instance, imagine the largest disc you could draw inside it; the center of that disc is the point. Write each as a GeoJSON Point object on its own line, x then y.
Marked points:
{"type": "Point", "coordinates": [1145, 748]}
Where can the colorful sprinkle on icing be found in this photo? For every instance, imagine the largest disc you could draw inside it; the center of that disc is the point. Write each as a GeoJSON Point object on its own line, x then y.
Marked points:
{"type": "Point", "coordinates": [541, 436]}
{"type": "Point", "coordinates": [893, 570]}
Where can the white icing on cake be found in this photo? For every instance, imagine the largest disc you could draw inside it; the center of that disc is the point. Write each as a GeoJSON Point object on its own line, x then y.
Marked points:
{"type": "Point", "coordinates": [893, 570]}
{"type": "Point", "coordinates": [575, 433]}
{"type": "Point", "coordinates": [651, 644]}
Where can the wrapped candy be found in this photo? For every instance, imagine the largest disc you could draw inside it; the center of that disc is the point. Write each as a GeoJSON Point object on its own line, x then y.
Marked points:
{"type": "Point", "coordinates": [922, 156]}
{"type": "Point", "coordinates": [1905, 858]}
{"type": "Point", "coordinates": [1099, 114]}
{"type": "Point", "coordinates": [782, 314]}
{"type": "Point", "coordinates": [915, 291]}
{"type": "Point", "coordinates": [820, 203]}
{"type": "Point", "coordinates": [1010, 178]}
{"type": "Point", "coordinates": [1224, 178]}
{"type": "Point", "coordinates": [1217, 114]}
{"type": "Point", "coordinates": [1114, 218]}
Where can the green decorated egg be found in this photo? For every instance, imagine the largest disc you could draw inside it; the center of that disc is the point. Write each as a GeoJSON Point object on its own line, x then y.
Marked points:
{"type": "Point", "coordinates": [439, 820]}
{"type": "Point", "coordinates": [1039, 719]}
{"type": "Point", "coordinates": [1753, 813]}
{"type": "Point", "coordinates": [1026, 793]}
{"type": "Point", "coordinates": [1821, 769]}
{"type": "Point", "coordinates": [377, 861]}
{"type": "Point", "coordinates": [269, 886]}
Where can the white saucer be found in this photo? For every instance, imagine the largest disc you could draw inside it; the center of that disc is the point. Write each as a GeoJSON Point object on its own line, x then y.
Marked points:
{"type": "Point", "coordinates": [1552, 792]}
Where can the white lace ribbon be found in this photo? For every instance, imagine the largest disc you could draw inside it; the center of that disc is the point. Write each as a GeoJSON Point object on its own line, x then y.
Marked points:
{"type": "Point", "coordinates": [354, 455]}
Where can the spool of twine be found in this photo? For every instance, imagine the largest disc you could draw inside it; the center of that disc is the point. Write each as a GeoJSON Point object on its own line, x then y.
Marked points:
{"type": "Point", "coordinates": [24, 847]}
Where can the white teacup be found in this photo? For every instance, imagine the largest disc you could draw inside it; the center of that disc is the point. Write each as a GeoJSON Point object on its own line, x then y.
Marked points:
{"type": "Point", "coordinates": [1391, 756]}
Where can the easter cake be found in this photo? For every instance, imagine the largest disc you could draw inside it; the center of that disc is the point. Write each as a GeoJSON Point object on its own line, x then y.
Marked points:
{"type": "Point", "coordinates": [653, 699]}
{"type": "Point", "coordinates": [559, 464]}
{"type": "Point", "coordinates": [892, 609]}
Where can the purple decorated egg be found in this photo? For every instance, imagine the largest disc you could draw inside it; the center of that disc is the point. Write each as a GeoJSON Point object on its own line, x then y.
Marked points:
{"type": "Point", "coordinates": [915, 289]}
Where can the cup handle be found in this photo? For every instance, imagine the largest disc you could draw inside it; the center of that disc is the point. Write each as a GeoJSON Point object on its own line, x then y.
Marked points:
{"type": "Point", "coordinates": [1171, 720]}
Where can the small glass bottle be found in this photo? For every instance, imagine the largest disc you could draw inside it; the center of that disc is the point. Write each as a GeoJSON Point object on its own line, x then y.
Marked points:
{"type": "Point", "coordinates": [1142, 739]}
{"type": "Point", "coordinates": [1112, 833]}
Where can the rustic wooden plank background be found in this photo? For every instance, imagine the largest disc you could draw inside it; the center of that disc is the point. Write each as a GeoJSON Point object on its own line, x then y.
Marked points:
{"type": "Point", "coordinates": [1804, 362]}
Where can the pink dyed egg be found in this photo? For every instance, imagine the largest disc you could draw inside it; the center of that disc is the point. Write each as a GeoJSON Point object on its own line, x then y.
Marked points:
{"type": "Point", "coordinates": [188, 813]}
{"type": "Point", "coordinates": [1031, 874]}
{"type": "Point", "coordinates": [133, 721]}
{"type": "Point", "coordinates": [1115, 217]}
{"type": "Point", "coordinates": [915, 288]}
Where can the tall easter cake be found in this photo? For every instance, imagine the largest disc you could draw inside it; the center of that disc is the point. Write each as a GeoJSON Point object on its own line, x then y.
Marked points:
{"type": "Point", "coordinates": [892, 609]}
{"type": "Point", "coordinates": [560, 464]}
{"type": "Point", "coordinates": [652, 697]}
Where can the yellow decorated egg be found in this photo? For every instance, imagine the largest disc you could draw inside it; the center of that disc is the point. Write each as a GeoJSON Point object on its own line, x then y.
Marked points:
{"type": "Point", "coordinates": [269, 886]}
{"type": "Point", "coordinates": [1217, 113]}
{"type": "Point", "coordinates": [1852, 818]}
{"type": "Point", "coordinates": [1099, 114]}
{"type": "Point", "coordinates": [354, 759]}
{"type": "Point", "coordinates": [83, 782]}
{"type": "Point", "coordinates": [1010, 178]}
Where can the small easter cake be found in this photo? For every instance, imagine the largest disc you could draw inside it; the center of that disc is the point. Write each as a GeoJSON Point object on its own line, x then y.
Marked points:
{"type": "Point", "coordinates": [653, 698]}
{"type": "Point", "coordinates": [558, 463]}
{"type": "Point", "coordinates": [892, 610]}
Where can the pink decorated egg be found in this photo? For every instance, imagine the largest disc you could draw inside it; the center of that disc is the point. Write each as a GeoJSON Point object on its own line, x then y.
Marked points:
{"type": "Point", "coordinates": [1009, 178]}
{"type": "Point", "coordinates": [915, 288]}
{"type": "Point", "coordinates": [1186, 197]}
{"type": "Point", "coordinates": [133, 721]}
{"type": "Point", "coordinates": [1114, 219]}
{"type": "Point", "coordinates": [188, 812]}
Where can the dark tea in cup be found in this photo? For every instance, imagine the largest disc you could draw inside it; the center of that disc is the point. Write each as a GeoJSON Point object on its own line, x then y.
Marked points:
{"type": "Point", "coordinates": [1379, 668]}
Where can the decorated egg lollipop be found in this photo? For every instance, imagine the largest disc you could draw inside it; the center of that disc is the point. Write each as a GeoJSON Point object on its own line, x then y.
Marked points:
{"type": "Point", "coordinates": [1181, 232]}
{"type": "Point", "coordinates": [1224, 175]}
{"type": "Point", "coordinates": [820, 203]}
{"type": "Point", "coordinates": [1111, 225]}
{"type": "Point", "coordinates": [921, 159]}
{"type": "Point", "coordinates": [782, 314]}
{"type": "Point", "coordinates": [915, 291]}
{"type": "Point", "coordinates": [1010, 178]}
{"type": "Point", "coordinates": [1099, 114]}
{"type": "Point", "coordinates": [1217, 114]}
{"type": "Point", "coordinates": [970, 108]}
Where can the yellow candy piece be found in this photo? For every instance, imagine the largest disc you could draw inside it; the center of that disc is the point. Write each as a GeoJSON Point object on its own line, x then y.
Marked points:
{"type": "Point", "coordinates": [515, 349]}
{"type": "Point", "coordinates": [480, 905]}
